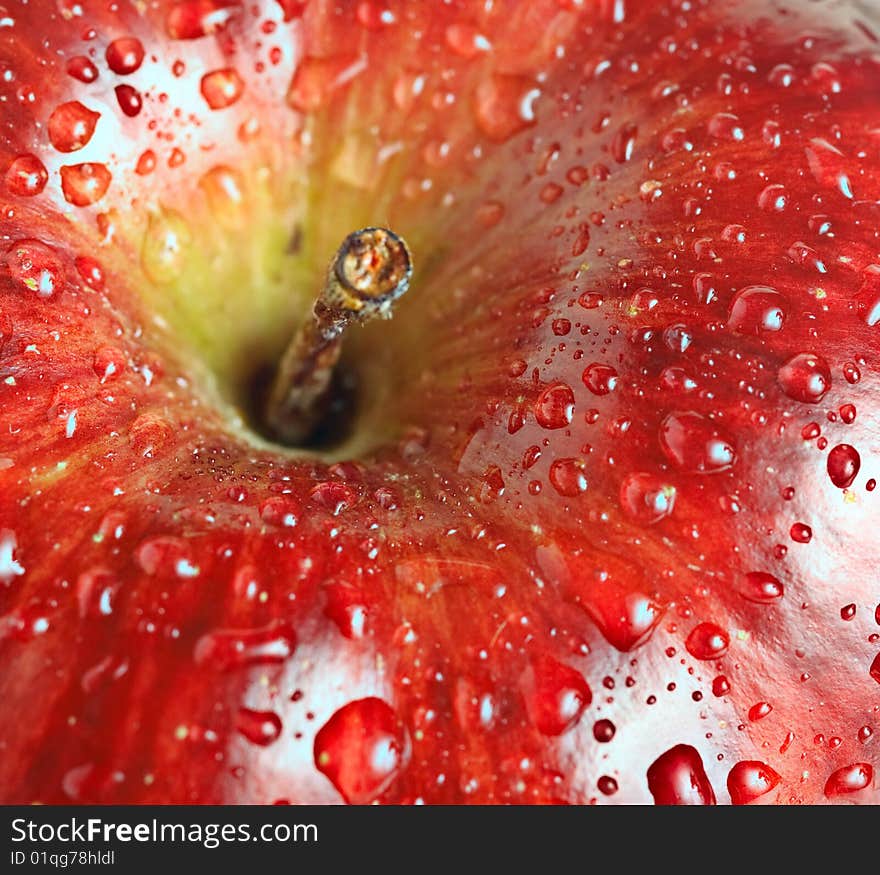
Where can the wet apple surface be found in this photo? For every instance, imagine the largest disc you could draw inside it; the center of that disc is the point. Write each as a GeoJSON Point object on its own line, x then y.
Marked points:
{"type": "Point", "coordinates": [601, 526]}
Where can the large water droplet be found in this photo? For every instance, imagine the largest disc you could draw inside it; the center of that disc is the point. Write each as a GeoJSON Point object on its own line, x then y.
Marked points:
{"type": "Point", "coordinates": [843, 465]}
{"type": "Point", "coordinates": [85, 184]}
{"type": "Point", "coordinates": [229, 649]}
{"type": "Point", "coordinates": [805, 377]}
{"type": "Point", "coordinates": [707, 641]}
{"type": "Point", "coordinates": [125, 55]}
{"type": "Point", "coordinates": [568, 477]}
{"type": "Point", "coordinates": [26, 176]}
{"type": "Point", "coordinates": [757, 309]}
{"type": "Point", "coordinates": [361, 749]}
{"type": "Point", "coordinates": [694, 443]}
{"type": "Point", "coordinates": [646, 498]}
{"type": "Point", "coordinates": [35, 267]}
{"type": "Point", "coordinates": [221, 88]}
{"type": "Point", "coordinates": [346, 607]}
{"type": "Point", "coordinates": [828, 166]}
{"type": "Point", "coordinates": [556, 694]}
{"type": "Point", "coordinates": [760, 587]}
{"type": "Point", "coordinates": [849, 779]}
{"type": "Point", "coordinates": [504, 105]}
{"type": "Point", "coordinates": [554, 407]}
{"type": "Point", "coordinates": [599, 378]}
{"type": "Point", "coordinates": [678, 777]}
{"type": "Point", "coordinates": [192, 19]}
{"type": "Point", "coordinates": [749, 780]}
{"type": "Point", "coordinates": [71, 126]}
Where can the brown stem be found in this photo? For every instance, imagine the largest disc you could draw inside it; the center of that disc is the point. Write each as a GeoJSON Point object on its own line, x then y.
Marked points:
{"type": "Point", "coordinates": [369, 272]}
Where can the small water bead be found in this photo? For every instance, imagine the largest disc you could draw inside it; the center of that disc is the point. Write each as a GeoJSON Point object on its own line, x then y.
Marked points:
{"type": "Point", "coordinates": [599, 378]}
{"type": "Point", "coordinates": [848, 612]}
{"type": "Point", "coordinates": [707, 641]}
{"type": "Point", "coordinates": [874, 670]}
{"type": "Point", "coordinates": [258, 727]}
{"type": "Point", "coordinates": [851, 373]}
{"type": "Point", "coordinates": [85, 184]}
{"type": "Point", "coordinates": [607, 785]}
{"type": "Point", "coordinates": [757, 309]}
{"type": "Point", "coordinates": [82, 68]}
{"type": "Point", "coordinates": [843, 465]}
{"type": "Point", "coordinates": [125, 55]}
{"type": "Point", "coordinates": [865, 733]}
{"type": "Point", "coordinates": [624, 142]}
{"type": "Point", "coordinates": [129, 100]}
{"type": "Point", "coordinates": [361, 749]}
{"type": "Point", "coordinates": [749, 780]}
{"type": "Point", "coordinates": [801, 533]}
{"type": "Point", "coordinates": [568, 477]}
{"type": "Point", "coordinates": [221, 88]}
{"type": "Point", "coordinates": [695, 444]}
{"type": "Point", "coordinates": [146, 163]}
{"type": "Point", "coordinates": [828, 166]}
{"type": "Point", "coordinates": [26, 176]}
{"type": "Point", "coordinates": [759, 711]}
{"type": "Point", "coordinates": [71, 126]}
{"type": "Point", "coordinates": [761, 588]}
{"type": "Point", "coordinates": [646, 498]}
{"type": "Point", "coordinates": [720, 686]}
{"type": "Point", "coordinates": [678, 777]}
{"type": "Point", "coordinates": [849, 779]}
{"type": "Point", "coordinates": [805, 377]}
{"type": "Point", "coordinates": [604, 731]}
{"type": "Point", "coordinates": [554, 407]}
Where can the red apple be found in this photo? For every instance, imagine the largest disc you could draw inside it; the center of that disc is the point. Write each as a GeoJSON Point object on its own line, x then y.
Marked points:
{"type": "Point", "coordinates": [602, 525]}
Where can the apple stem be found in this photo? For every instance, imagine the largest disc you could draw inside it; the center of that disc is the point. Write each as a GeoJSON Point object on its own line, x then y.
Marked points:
{"type": "Point", "coordinates": [370, 271]}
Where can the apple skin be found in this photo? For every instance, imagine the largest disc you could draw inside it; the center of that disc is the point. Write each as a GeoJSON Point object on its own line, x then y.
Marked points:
{"type": "Point", "coordinates": [604, 530]}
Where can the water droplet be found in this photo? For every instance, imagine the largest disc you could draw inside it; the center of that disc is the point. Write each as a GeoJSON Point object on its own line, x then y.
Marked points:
{"type": "Point", "coordinates": [82, 68]}
{"type": "Point", "coordinates": [695, 444]}
{"type": "Point", "coordinates": [801, 533]}
{"type": "Point", "coordinates": [805, 377]}
{"type": "Point", "coordinates": [192, 19]}
{"type": "Point", "coordinates": [35, 266]}
{"type": "Point", "coordinates": [280, 510]}
{"type": "Point", "coordinates": [555, 406]}
{"type": "Point", "coordinates": [568, 477]}
{"type": "Point", "coordinates": [26, 176]}
{"type": "Point", "coordinates": [646, 498]}
{"type": "Point", "coordinates": [759, 711]}
{"type": "Point", "coordinates": [221, 88]}
{"type": "Point", "coordinates": [599, 378]}
{"type": "Point", "coordinates": [624, 142]}
{"type": "Point", "coordinates": [749, 780]}
{"type": "Point", "coordinates": [108, 363]}
{"type": "Point", "coordinates": [556, 695]}
{"type": "Point", "coordinates": [129, 100]}
{"type": "Point", "coordinates": [848, 612]}
{"type": "Point", "coordinates": [773, 198]}
{"type": "Point", "coordinates": [607, 785]}
{"type": "Point", "coordinates": [760, 587]}
{"type": "Point", "coordinates": [707, 641]}
{"type": "Point", "coordinates": [230, 649]}
{"type": "Point", "coordinates": [504, 105]}
{"type": "Point", "coordinates": [720, 686]}
{"type": "Point", "coordinates": [165, 247]}
{"type": "Point", "coordinates": [874, 670]}
{"type": "Point", "coordinates": [678, 777]}
{"type": "Point", "coordinates": [849, 779]}
{"type": "Point", "coordinates": [726, 126]}
{"type": "Point", "coordinates": [466, 40]}
{"type": "Point", "coordinates": [334, 496]}
{"type": "Point", "coordinates": [828, 166]}
{"type": "Point", "coordinates": [85, 184]}
{"type": "Point", "coordinates": [258, 727]}
{"type": "Point", "coordinates": [757, 309]}
{"type": "Point", "coordinates": [95, 591]}
{"type": "Point", "coordinates": [362, 748]}
{"type": "Point", "coordinates": [346, 607]}
{"type": "Point", "coordinates": [125, 55]}
{"type": "Point", "coordinates": [71, 126]}
{"type": "Point", "coordinates": [626, 619]}
{"type": "Point", "coordinates": [843, 465]}
{"type": "Point", "coordinates": [604, 731]}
